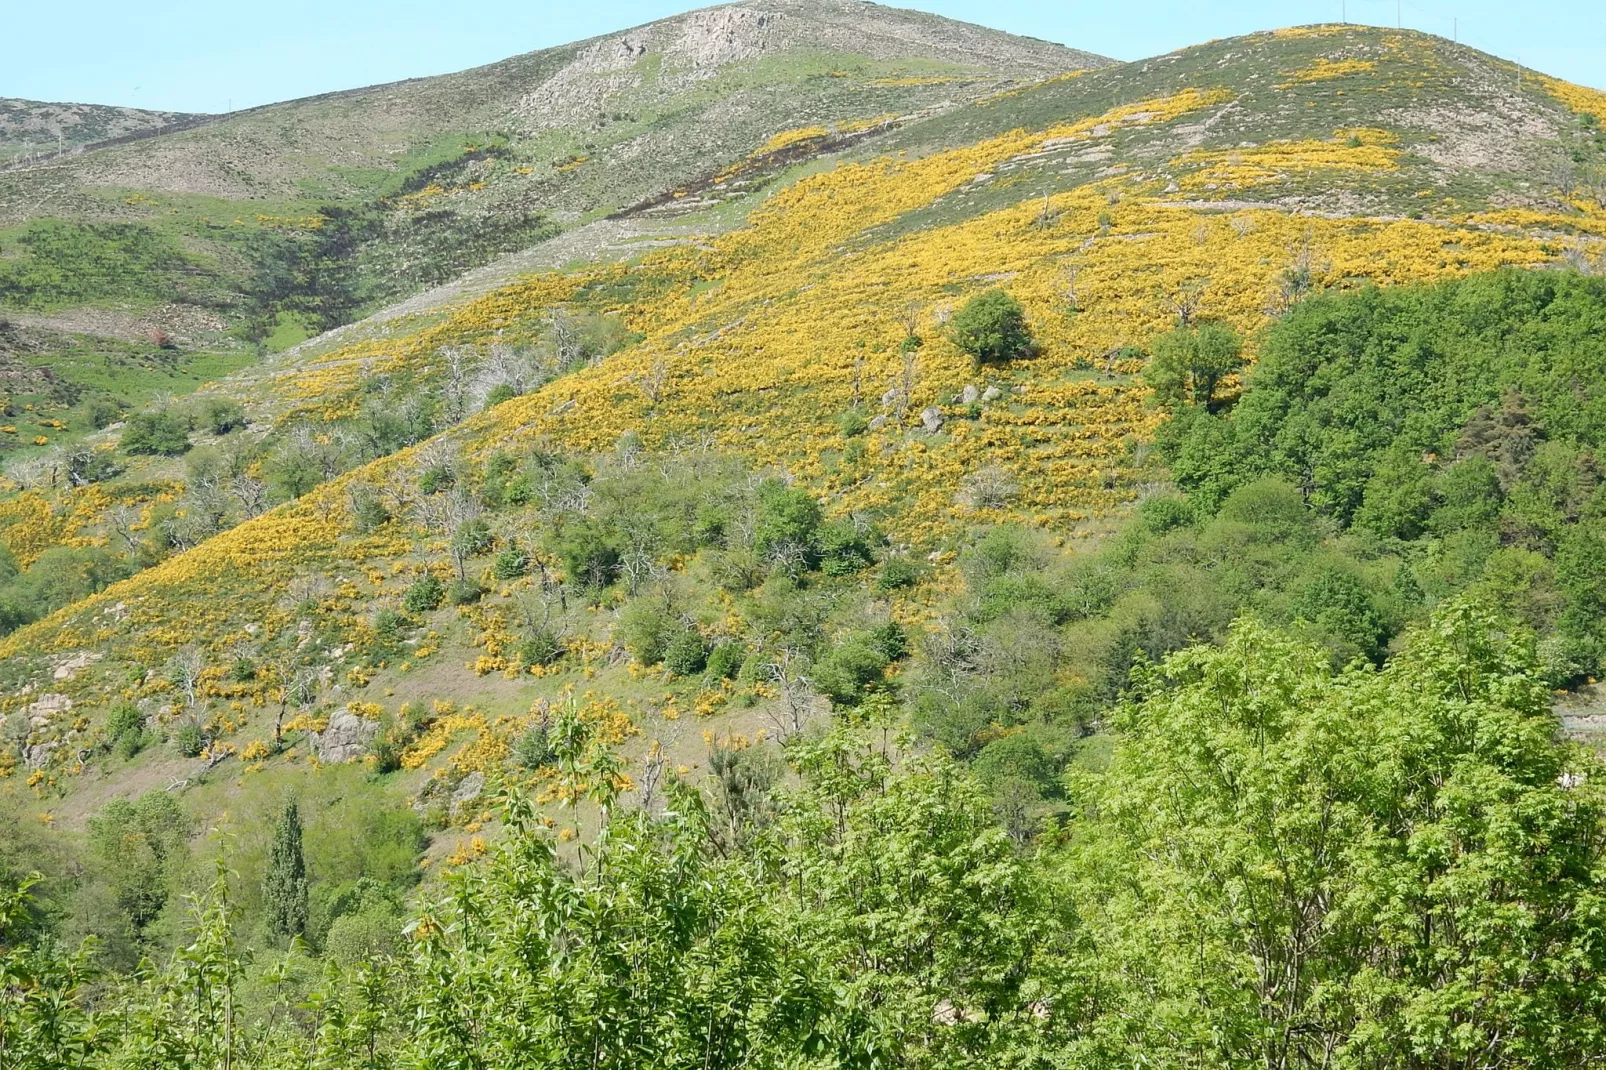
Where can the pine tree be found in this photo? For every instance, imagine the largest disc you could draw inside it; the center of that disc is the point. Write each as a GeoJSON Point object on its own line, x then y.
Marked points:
{"type": "Point", "coordinates": [285, 886]}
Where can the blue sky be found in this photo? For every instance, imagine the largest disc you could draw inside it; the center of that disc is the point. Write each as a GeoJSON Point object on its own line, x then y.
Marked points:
{"type": "Point", "coordinates": [202, 55]}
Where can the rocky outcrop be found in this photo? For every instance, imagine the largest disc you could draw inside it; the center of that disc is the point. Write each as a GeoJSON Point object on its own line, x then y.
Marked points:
{"type": "Point", "coordinates": [346, 739]}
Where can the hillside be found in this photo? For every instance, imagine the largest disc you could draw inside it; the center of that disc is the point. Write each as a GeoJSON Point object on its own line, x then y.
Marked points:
{"type": "Point", "coordinates": [31, 128]}
{"type": "Point", "coordinates": [1129, 201]}
{"type": "Point", "coordinates": [997, 558]}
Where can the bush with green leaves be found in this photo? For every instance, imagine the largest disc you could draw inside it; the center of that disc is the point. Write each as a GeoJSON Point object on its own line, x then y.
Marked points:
{"type": "Point", "coordinates": [686, 652]}
{"type": "Point", "coordinates": [161, 433]}
{"type": "Point", "coordinates": [991, 329]}
{"type": "Point", "coordinates": [220, 416]}
{"type": "Point", "coordinates": [189, 739]}
{"type": "Point", "coordinates": [425, 594]}
{"type": "Point", "coordinates": [1190, 363]}
{"type": "Point", "coordinates": [511, 563]}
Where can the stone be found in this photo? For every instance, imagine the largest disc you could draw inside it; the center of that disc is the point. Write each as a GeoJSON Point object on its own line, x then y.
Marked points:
{"type": "Point", "coordinates": [889, 397]}
{"type": "Point", "coordinates": [991, 394]}
{"type": "Point", "coordinates": [877, 423]}
{"type": "Point", "coordinates": [932, 419]}
{"type": "Point", "coordinates": [44, 709]}
{"type": "Point", "coordinates": [468, 789]}
{"type": "Point", "coordinates": [969, 395]}
{"type": "Point", "coordinates": [346, 739]}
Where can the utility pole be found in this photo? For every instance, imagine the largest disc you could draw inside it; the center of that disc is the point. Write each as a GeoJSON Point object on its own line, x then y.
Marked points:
{"type": "Point", "coordinates": [1399, 14]}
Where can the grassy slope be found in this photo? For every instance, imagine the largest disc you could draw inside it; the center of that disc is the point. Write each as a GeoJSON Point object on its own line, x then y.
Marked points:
{"type": "Point", "coordinates": [762, 338]}
{"type": "Point", "coordinates": [578, 132]}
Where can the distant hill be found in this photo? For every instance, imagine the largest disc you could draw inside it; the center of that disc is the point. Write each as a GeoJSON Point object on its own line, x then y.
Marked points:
{"type": "Point", "coordinates": [33, 127]}
{"type": "Point", "coordinates": [421, 180]}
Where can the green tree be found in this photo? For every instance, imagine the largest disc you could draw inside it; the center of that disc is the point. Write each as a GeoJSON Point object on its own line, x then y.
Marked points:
{"type": "Point", "coordinates": [1288, 866]}
{"type": "Point", "coordinates": [162, 433]}
{"type": "Point", "coordinates": [284, 887]}
{"type": "Point", "coordinates": [991, 328]}
{"type": "Point", "coordinates": [1190, 363]}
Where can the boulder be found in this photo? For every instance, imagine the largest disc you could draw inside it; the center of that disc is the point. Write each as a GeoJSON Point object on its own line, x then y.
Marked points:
{"type": "Point", "coordinates": [932, 419]}
{"type": "Point", "coordinates": [468, 789]}
{"type": "Point", "coordinates": [878, 423]}
{"type": "Point", "coordinates": [969, 395]}
{"type": "Point", "coordinates": [992, 393]}
{"type": "Point", "coordinates": [346, 739]}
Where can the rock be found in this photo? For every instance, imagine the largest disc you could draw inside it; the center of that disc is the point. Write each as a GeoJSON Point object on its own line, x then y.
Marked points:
{"type": "Point", "coordinates": [468, 789]}
{"type": "Point", "coordinates": [44, 710]}
{"type": "Point", "coordinates": [889, 397]}
{"type": "Point", "coordinates": [71, 666]}
{"type": "Point", "coordinates": [36, 755]}
{"type": "Point", "coordinates": [346, 739]}
{"type": "Point", "coordinates": [992, 393]}
{"type": "Point", "coordinates": [969, 395]}
{"type": "Point", "coordinates": [932, 419]}
{"type": "Point", "coordinates": [562, 407]}
{"type": "Point", "coordinates": [878, 423]}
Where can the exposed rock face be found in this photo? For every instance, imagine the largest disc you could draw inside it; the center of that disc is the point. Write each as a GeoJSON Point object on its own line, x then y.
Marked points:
{"type": "Point", "coordinates": [931, 419]}
{"type": "Point", "coordinates": [346, 739]}
{"type": "Point", "coordinates": [71, 666]}
{"type": "Point", "coordinates": [44, 709]}
{"type": "Point", "coordinates": [468, 789]}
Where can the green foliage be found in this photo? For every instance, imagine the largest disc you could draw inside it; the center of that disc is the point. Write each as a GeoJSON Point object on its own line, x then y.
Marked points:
{"type": "Point", "coordinates": [139, 850]}
{"type": "Point", "coordinates": [284, 888]}
{"type": "Point", "coordinates": [511, 563]}
{"type": "Point", "coordinates": [991, 328]}
{"type": "Point", "coordinates": [425, 594]}
{"type": "Point", "coordinates": [1190, 363]}
{"type": "Point", "coordinates": [161, 433]}
{"type": "Point", "coordinates": [66, 263]}
{"type": "Point", "coordinates": [1362, 845]}
{"type": "Point", "coordinates": [220, 416]}
{"type": "Point", "coordinates": [1458, 418]}
{"type": "Point", "coordinates": [125, 729]}
{"type": "Point", "coordinates": [189, 739]}
{"type": "Point", "coordinates": [686, 652]}
{"type": "Point", "coordinates": [785, 522]}
{"type": "Point", "coordinates": [58, 577]}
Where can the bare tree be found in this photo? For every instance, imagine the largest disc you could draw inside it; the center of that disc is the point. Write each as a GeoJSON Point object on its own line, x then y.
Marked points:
{"type": "Point", "coordinates": [251, 493]}
{"type": "Point", "coordinates": [184, 673]}
{"type": "Point", "coordinates": [655, 379]}
{"type": "Point", "coordinates": [788, 672]}
{"type": "Point", "coordinates": [1187, 299]}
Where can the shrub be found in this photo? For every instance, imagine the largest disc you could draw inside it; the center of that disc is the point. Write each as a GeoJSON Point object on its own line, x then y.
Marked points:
{"type": "Point", "coordinates": [785, 522]}
{"type": "Point", "coordinates": [898, 573]}
{"type": "Point", "coordinates": [511, 563]}
{"type": "Point", "coordinates": [533, 749]}
{"type": "Point", "coordinates": [368, 512]}
{"type": "Point", "coordinates": [473, 537]}
{"type": "Point", "coordinates": [686, 653]}
{"type": "Point", "coordinates": [852, 423]}
{"type": "Point", "coordinates": [104, 411]}
{"type": "Point", "coordinates": [125, 729]}
{"type": "Point", "coordinates": [844, 548]}
{"type": "Point", "coordinates": [155, 433]}
{"type": "Point", "coordinates": [189, 740]}
{"type": "Point", "coordinates": [725, 661]}
{"type": "Point", "coordinates": [425, 594]}
{"type": "Point", "coordinates": [1190, 363]}
{"type": "Point", "coordinates": [464, 592]}
{"type": "Point", "coordinates": [541, 647]}
{"type": "Point", "coordinates": [436, 479]}
{"type": "Point", "coordinates": [645, 627]}
{"type": "Point", "coordinates": [221, 416]}
{"type": "Point", "coordinates": [991, 328]}
{"type": "Point", "coordinates": [852, 668]}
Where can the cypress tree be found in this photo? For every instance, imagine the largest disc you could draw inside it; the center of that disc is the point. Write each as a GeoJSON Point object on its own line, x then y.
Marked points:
{"type": "Point", "coordinates": [285, 886]}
